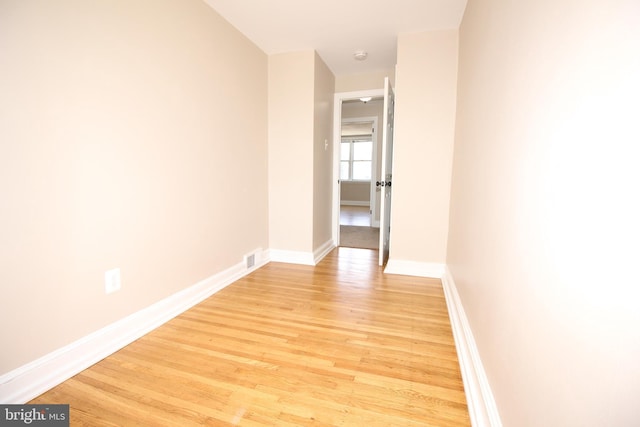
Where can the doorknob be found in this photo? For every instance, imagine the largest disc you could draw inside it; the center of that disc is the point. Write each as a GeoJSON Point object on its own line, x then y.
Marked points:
{"type": "Point", "coordinates": [378, 184]}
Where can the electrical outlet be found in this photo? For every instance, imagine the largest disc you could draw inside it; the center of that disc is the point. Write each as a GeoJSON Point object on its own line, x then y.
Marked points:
{"type": "Point", "coordinates": [112, 281]}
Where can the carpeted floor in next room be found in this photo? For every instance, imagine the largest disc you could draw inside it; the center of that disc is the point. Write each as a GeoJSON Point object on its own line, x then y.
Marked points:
{"type": "Point", "coordinates": [359, 237]}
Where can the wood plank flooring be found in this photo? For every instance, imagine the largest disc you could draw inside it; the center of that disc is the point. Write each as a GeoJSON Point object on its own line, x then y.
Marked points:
{"type": "Point", "coordinates": [339, 344]}
{"type": "Point", "coordinates": [355, 215]}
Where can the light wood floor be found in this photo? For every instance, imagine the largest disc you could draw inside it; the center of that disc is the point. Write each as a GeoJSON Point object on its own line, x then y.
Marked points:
{"type": "Point", "coordinates": [339, 344]}
{"type": "Point", "coordinates": [355, 215]}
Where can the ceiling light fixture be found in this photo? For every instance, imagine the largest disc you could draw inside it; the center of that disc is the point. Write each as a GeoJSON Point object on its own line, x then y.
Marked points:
{"type": "Point", "coordinates": [360, 55]}
{"type": "Point", "coordinates": [365, 99]}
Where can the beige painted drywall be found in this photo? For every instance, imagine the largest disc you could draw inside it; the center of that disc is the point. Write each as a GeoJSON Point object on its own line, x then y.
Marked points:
{"type": "Point", "coordinates": [423, 145]}
{"type": "Point", "coordinates": [356, 191]}
{"type": "Point", "coordinates": [544, 229]}
{"type": "Point", "coordinates": [291, 138]}
{"type": "Point", "coordinates": [324, 88]}
{"type": "Point", "coordinates": [123, 143]}
{"type": "Point", "coordinates": [363, 81]}
{"type": "Point", "coordinates": [301, 89]}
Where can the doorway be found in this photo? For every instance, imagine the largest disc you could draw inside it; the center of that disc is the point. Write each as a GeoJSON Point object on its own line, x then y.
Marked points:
{"type": "Point", "coordinates": [359, 154]}
{"type": "Point", "coordinates": [359, 214]}
{"type": "Point", "coordinates": [356, 216]}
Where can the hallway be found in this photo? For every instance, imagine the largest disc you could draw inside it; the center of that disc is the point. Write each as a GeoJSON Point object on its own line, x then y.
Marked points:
{"type": "Point", "coordinates": [338, 344]}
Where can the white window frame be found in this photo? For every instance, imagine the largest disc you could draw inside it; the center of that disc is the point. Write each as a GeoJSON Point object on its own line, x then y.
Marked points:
{"type": "Point", "coordinates": [354, 140]}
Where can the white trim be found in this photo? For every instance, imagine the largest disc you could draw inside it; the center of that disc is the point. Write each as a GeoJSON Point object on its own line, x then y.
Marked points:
{"type": "Point", "coordinates": [292, 257]}
{"type": "Point", "coordinates": [323, 251]}
{"type": "Point", "coordinates": [482, 406]}
{"type": "Point", "coordinates": [34, 378]}
{"type": "Point", "coordinates": [354, 203]}
{"type": "Point", "coordinates": [300, 257]}
{"type": "Point", "coordinates": [415, 268]}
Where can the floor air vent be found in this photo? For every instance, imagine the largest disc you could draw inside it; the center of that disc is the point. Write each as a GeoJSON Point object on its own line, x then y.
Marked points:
{"type": "Point", "coordinates": [250, 260]}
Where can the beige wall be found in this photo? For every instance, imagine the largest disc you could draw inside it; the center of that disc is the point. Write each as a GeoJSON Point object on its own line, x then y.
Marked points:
{"type": "Point", "coordinates": [324, 88]}
{"type": "Point", "coordinates": [123, 143]}
{"type": "Point", "coordinates": [300, 119]}
{"type": "Point", "coordinates": [544, 235]}
{"type": "Point", "coordinates": [291, 122]}
{"type": "Point", "coordinates": [363, 81]}
{"type": "Point", "coordinates": [423, 145]}
{"type": "Point", "coordinates": [356, 191]}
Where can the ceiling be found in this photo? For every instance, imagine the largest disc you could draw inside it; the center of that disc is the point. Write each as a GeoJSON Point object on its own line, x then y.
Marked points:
{"type": "Point", "coordinates": [338, 28]}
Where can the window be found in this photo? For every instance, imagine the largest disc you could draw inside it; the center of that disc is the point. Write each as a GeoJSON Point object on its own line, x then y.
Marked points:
{"type": "Point", "coordinates": [356, 155]}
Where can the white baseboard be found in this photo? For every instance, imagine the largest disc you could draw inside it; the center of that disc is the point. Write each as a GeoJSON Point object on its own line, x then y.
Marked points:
{"type": "Point", "coordinates": [414, 268]}
{"type": "Point", "coordinates": [482, 406]}
{"type": "Point", "coordinates": [292, 257]}
{"type": "Point", "coordinates": [355, 203]}
{"type": "Point", "coordinates": [300, 257]}
{"type": "Point", "coordinates": [323, 251]}
{"type": "Point", "coordinates": [31, 380]}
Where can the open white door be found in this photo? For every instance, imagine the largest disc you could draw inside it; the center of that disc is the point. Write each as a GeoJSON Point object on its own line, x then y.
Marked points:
{"type": "Point", "coordinates": [386, 175]}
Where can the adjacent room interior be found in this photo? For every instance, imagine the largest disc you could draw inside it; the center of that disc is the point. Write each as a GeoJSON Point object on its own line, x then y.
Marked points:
{"type": "Point", "coordinates": [360, 151]}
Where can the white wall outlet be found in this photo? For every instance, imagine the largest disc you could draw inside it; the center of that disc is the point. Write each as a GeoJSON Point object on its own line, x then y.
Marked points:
{"type": "Point", "coordinates": [112, 281]}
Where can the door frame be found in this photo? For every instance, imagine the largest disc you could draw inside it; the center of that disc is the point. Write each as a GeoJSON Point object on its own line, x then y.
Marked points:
{"type": "Point", "coordinates": [338, 98]}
